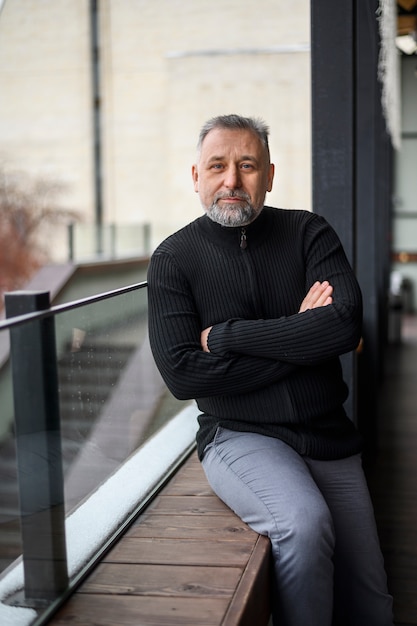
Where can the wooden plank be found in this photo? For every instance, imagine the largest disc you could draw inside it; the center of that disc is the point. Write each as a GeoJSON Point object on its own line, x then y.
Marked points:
{"type": "Point", "coordinates": [163, 580]}
{"type": "Point", "coordinates": [122, 610]}
{"type": "Point", "coordinates": [189, 505]}
{"type": "Point", "coordinates": [181, 552]}
{"type": "Point", "coordinates": [191, 483]}
{"type": "Point", "coordinates": [190, 480]}
{"type": "Point", "coordinates": [192, 527]}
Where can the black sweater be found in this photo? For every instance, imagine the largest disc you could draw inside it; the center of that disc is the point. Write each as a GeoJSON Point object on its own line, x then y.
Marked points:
{"type": "Point", "coordinates": [270, 369]}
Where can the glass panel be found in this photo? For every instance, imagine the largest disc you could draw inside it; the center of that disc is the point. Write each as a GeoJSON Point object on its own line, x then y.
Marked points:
{"type": "Point", "coordinates": [409, 95]}
{"type": "Point", "coordinates": [112, 400]}
{"type": "Point", "coordinates": [10, 537]}
{"type": "Point", "coordinates": [404, 229]}
{"type": "Point", "coordinates": [89, 241]}
{"type": "Point", "coordinates": [405, 179]}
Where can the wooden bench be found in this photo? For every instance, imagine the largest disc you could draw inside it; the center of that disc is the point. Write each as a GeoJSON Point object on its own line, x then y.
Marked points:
{"type": "Point", "coordinates": [187, 560]}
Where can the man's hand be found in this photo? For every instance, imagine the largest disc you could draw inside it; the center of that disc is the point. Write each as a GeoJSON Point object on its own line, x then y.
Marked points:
{"type": "Point", "coordinates": [320, 294]}
{"type": "Point", "coordinates": [204, 337]}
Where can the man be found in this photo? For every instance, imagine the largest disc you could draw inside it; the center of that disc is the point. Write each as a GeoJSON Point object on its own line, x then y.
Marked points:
{"type": "Point", "coordinates": [249, 310]}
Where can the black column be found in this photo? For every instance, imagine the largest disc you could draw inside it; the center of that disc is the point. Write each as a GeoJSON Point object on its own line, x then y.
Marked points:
{"type": "Point", "coordinates": [333, 132]}
{"type": "Point", "coordinates": [38, 447]}
{"type": "Point", "coordinates": [352, 159]}
{"type": "Point", "coordinates": [373, 192]}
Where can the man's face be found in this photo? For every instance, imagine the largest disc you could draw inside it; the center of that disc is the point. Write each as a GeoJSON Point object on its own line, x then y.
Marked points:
{"type": "Point", "coordinates": [232, 176]}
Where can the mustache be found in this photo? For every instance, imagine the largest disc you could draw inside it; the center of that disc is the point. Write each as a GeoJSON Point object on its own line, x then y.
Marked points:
{"type": "Point", "coordinates": [240, 195]}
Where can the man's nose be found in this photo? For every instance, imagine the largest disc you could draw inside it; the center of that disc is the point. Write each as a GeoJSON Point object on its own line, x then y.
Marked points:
{"type": "Point", "coordinates": [232, 177]}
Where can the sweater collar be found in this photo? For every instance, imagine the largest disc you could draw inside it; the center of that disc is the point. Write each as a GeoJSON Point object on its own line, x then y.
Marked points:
{"type": "Point", "coordinates": [254, 233]}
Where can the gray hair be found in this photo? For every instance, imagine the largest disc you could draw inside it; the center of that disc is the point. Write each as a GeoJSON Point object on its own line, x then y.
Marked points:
{"type": "Point", "coordinates": [236, 122]}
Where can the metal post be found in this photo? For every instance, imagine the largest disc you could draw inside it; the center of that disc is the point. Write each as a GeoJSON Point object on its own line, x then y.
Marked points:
{"type": "Point", "coordinates": [38, 443]}
{"type": "Point", "coordinates": [71, 235]}
{"type": "Point", "coordinates": [147, 238]}
{"type": "Point", "coordinates": [95, 69]}
{"type": "Point", "coordinates": [113, 235]}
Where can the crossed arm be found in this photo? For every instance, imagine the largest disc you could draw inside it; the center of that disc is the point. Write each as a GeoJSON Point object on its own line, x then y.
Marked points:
{"type": "Point", "coordinates": [320, 294]}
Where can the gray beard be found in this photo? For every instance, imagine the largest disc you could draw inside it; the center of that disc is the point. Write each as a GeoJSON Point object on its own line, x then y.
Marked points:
{"type": "Point", "coordinates": [239, 215]}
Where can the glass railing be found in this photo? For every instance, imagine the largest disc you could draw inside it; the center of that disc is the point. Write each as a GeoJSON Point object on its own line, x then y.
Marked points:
{"type": "Point", "coordinates": [88, 433]}
{"type": "Point", "coordinates": [111, 241]}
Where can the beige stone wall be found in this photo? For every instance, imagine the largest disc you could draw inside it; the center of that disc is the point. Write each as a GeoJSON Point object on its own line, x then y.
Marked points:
{"type": "Point", "coordinates": [45, 119]}
{"type": "Point", "coordinates": [167, 65]}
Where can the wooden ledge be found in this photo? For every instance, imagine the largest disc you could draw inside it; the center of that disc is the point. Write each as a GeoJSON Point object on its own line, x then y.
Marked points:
{"type": "Point", "coordinates": [188, 560]}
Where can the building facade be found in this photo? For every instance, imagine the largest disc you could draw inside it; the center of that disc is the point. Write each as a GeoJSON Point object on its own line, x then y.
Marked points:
{"type": "Point", "coordinates": [123, 145]}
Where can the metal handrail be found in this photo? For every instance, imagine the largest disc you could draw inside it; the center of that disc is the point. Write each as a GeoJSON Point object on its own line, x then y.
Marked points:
{"type": "Point", "coordinates": [18, 320]}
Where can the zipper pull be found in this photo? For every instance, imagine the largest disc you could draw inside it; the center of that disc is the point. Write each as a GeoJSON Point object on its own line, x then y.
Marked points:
{"type": "Point", "coordinates": [243, 241]}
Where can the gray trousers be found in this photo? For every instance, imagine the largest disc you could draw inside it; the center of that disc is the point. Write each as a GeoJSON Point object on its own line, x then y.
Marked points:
{"type": "Point", "coordinates": [319, 517]}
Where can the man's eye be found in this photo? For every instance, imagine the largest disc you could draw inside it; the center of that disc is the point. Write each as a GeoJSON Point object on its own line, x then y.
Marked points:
{"type": "Point", "coordinates": [217, 166]}
{"type": "Point", "coordinates": [247, 166]}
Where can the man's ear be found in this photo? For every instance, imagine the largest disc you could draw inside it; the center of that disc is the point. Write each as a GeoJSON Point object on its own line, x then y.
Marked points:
{"type": "Point", "coordinates": [271, 176]}
{"type": "Point", "coordinates": [194, 173]}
